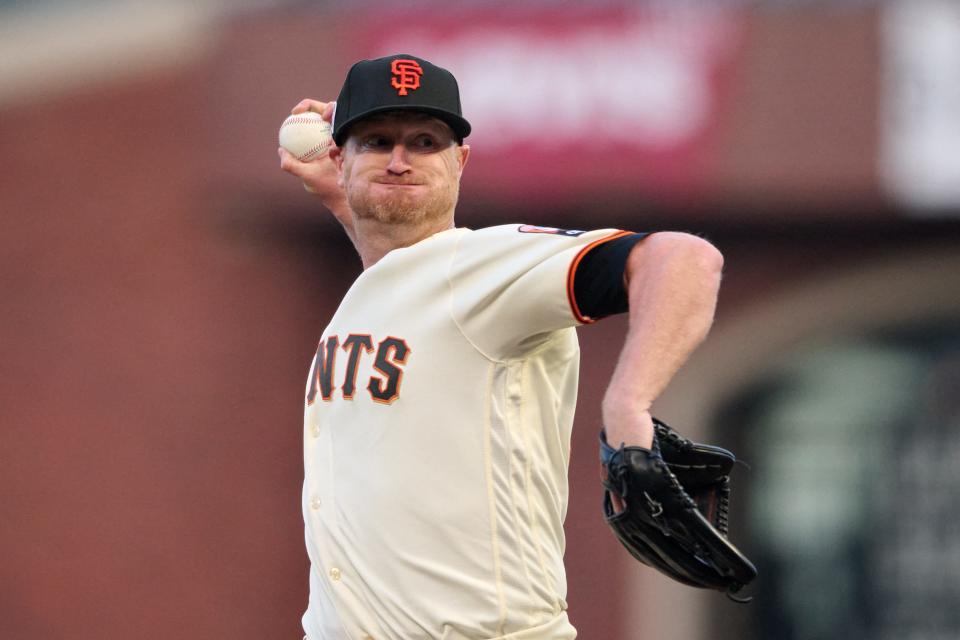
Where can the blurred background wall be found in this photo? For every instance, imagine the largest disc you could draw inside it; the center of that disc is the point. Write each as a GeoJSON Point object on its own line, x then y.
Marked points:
{"type": "Point", "coordinates": [163, 285]}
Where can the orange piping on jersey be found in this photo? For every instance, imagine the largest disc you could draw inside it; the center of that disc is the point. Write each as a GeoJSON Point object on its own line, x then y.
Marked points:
{"type": "Point", "coordinates": [572, 272]}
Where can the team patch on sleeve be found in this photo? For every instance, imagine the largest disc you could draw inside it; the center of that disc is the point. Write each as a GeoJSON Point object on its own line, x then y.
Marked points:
{"type": "Point", "coordinates": [570, 233]}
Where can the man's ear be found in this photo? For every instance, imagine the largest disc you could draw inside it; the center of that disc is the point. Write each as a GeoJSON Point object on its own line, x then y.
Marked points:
{"type": "Point", "coordinates": [336, 155]}
{"type": "Point", "coordinates": [463, 154]}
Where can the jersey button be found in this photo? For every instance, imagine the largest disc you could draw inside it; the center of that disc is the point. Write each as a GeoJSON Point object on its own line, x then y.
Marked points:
{"type": "Point", "coordinates": [314, 503]}
{"type": "Point", "coordinates": [315, 430]}
{"type": "Point", "coordinates": [334, 574]}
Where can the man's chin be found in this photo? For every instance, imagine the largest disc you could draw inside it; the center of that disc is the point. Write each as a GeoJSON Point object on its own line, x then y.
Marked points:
{"type": "Point", "coordinates": [401, 206]}
{"type": "Point", "coordinates": [395, 211]}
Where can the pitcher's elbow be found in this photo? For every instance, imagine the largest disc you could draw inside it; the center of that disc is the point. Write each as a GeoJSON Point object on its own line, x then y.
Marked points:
{"type": "Point", "coordinates": [683, 247]}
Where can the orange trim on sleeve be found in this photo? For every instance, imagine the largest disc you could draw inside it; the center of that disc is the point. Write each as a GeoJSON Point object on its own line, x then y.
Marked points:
{"type": "Point", "coordinates": [572, 272]}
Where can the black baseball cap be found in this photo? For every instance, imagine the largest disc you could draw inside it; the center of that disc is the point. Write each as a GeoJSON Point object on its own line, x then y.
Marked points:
{"type": "Point", "coordinates": [399, 82]}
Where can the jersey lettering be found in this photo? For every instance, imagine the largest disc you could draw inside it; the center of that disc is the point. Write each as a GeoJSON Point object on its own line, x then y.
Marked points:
{"type": "Point", "coordinates": [321, 373]}
{"type": "Point", "coordinates": [391, 353]}
{"type": "Point", "coordinates": [354, 343]}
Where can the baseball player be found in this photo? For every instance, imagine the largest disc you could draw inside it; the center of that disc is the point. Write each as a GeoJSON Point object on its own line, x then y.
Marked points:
{"type": "Point", "coordinates": [439, 404]}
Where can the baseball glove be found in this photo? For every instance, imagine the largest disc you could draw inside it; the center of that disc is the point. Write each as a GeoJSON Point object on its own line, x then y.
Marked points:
{"type": "Point", "coordinates": [668, 506]}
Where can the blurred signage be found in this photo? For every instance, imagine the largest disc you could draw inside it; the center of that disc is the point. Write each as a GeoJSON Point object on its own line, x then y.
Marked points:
{"type": "Point", "coordinates": [920, 136]}
{"type": "Point", "coordinates": [578, 102]}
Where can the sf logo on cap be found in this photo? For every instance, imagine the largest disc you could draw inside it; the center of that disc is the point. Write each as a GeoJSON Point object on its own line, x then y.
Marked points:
{"type": "Point", "coordinates": [406, 75]}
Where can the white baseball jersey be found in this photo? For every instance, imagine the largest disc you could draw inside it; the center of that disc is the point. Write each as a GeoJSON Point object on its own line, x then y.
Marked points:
{"type": "Point", "coordinates": [437, 430]}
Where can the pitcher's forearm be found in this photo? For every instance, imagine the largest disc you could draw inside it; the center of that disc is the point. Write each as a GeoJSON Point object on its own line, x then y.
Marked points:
{"type": "Point", "coordinates": [673, 282]}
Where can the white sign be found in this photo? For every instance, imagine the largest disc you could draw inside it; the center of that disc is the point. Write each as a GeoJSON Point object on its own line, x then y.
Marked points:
{"type": "Point", "coordinates": [920, 106]}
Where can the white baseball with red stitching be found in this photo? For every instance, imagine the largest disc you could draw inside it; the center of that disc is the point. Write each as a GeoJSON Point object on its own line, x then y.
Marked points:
{"type": "Point", "coordinates": [305, 135]}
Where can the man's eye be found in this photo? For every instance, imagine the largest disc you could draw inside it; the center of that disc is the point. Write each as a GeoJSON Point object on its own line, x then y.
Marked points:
{"type": "Point", "coordinates": [375, 142]}
{"type": "Point", "coordinates": [424, 142]}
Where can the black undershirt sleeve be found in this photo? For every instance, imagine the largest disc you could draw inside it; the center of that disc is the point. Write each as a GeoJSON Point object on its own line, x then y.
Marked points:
{"type": "Point", "coordinates": [598, 282]}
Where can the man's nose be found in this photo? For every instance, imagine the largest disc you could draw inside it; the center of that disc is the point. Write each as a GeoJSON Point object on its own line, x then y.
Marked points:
{"type": "Point", "coordinates": [399, 159]}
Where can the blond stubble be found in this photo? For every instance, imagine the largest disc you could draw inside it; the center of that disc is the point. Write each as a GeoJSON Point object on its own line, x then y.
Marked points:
{"type": "Point", "coordinates": [404, 208]}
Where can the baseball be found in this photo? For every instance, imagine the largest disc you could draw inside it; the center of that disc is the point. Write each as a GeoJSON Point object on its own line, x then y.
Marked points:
{"type": "Point", "coordinates": [305, 135]}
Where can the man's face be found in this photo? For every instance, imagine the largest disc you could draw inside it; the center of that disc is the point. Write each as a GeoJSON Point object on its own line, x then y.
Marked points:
{"type": "Point", "coordinates": [401, 168]}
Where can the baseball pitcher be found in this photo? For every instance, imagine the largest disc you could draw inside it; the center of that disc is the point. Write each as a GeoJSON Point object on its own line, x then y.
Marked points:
{"type": "Point", "coordinates": [439, 404]}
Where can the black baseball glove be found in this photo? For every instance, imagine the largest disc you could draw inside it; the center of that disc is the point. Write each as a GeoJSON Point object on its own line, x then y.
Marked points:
{"type": "Point", "coordinates": [668, 506]}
